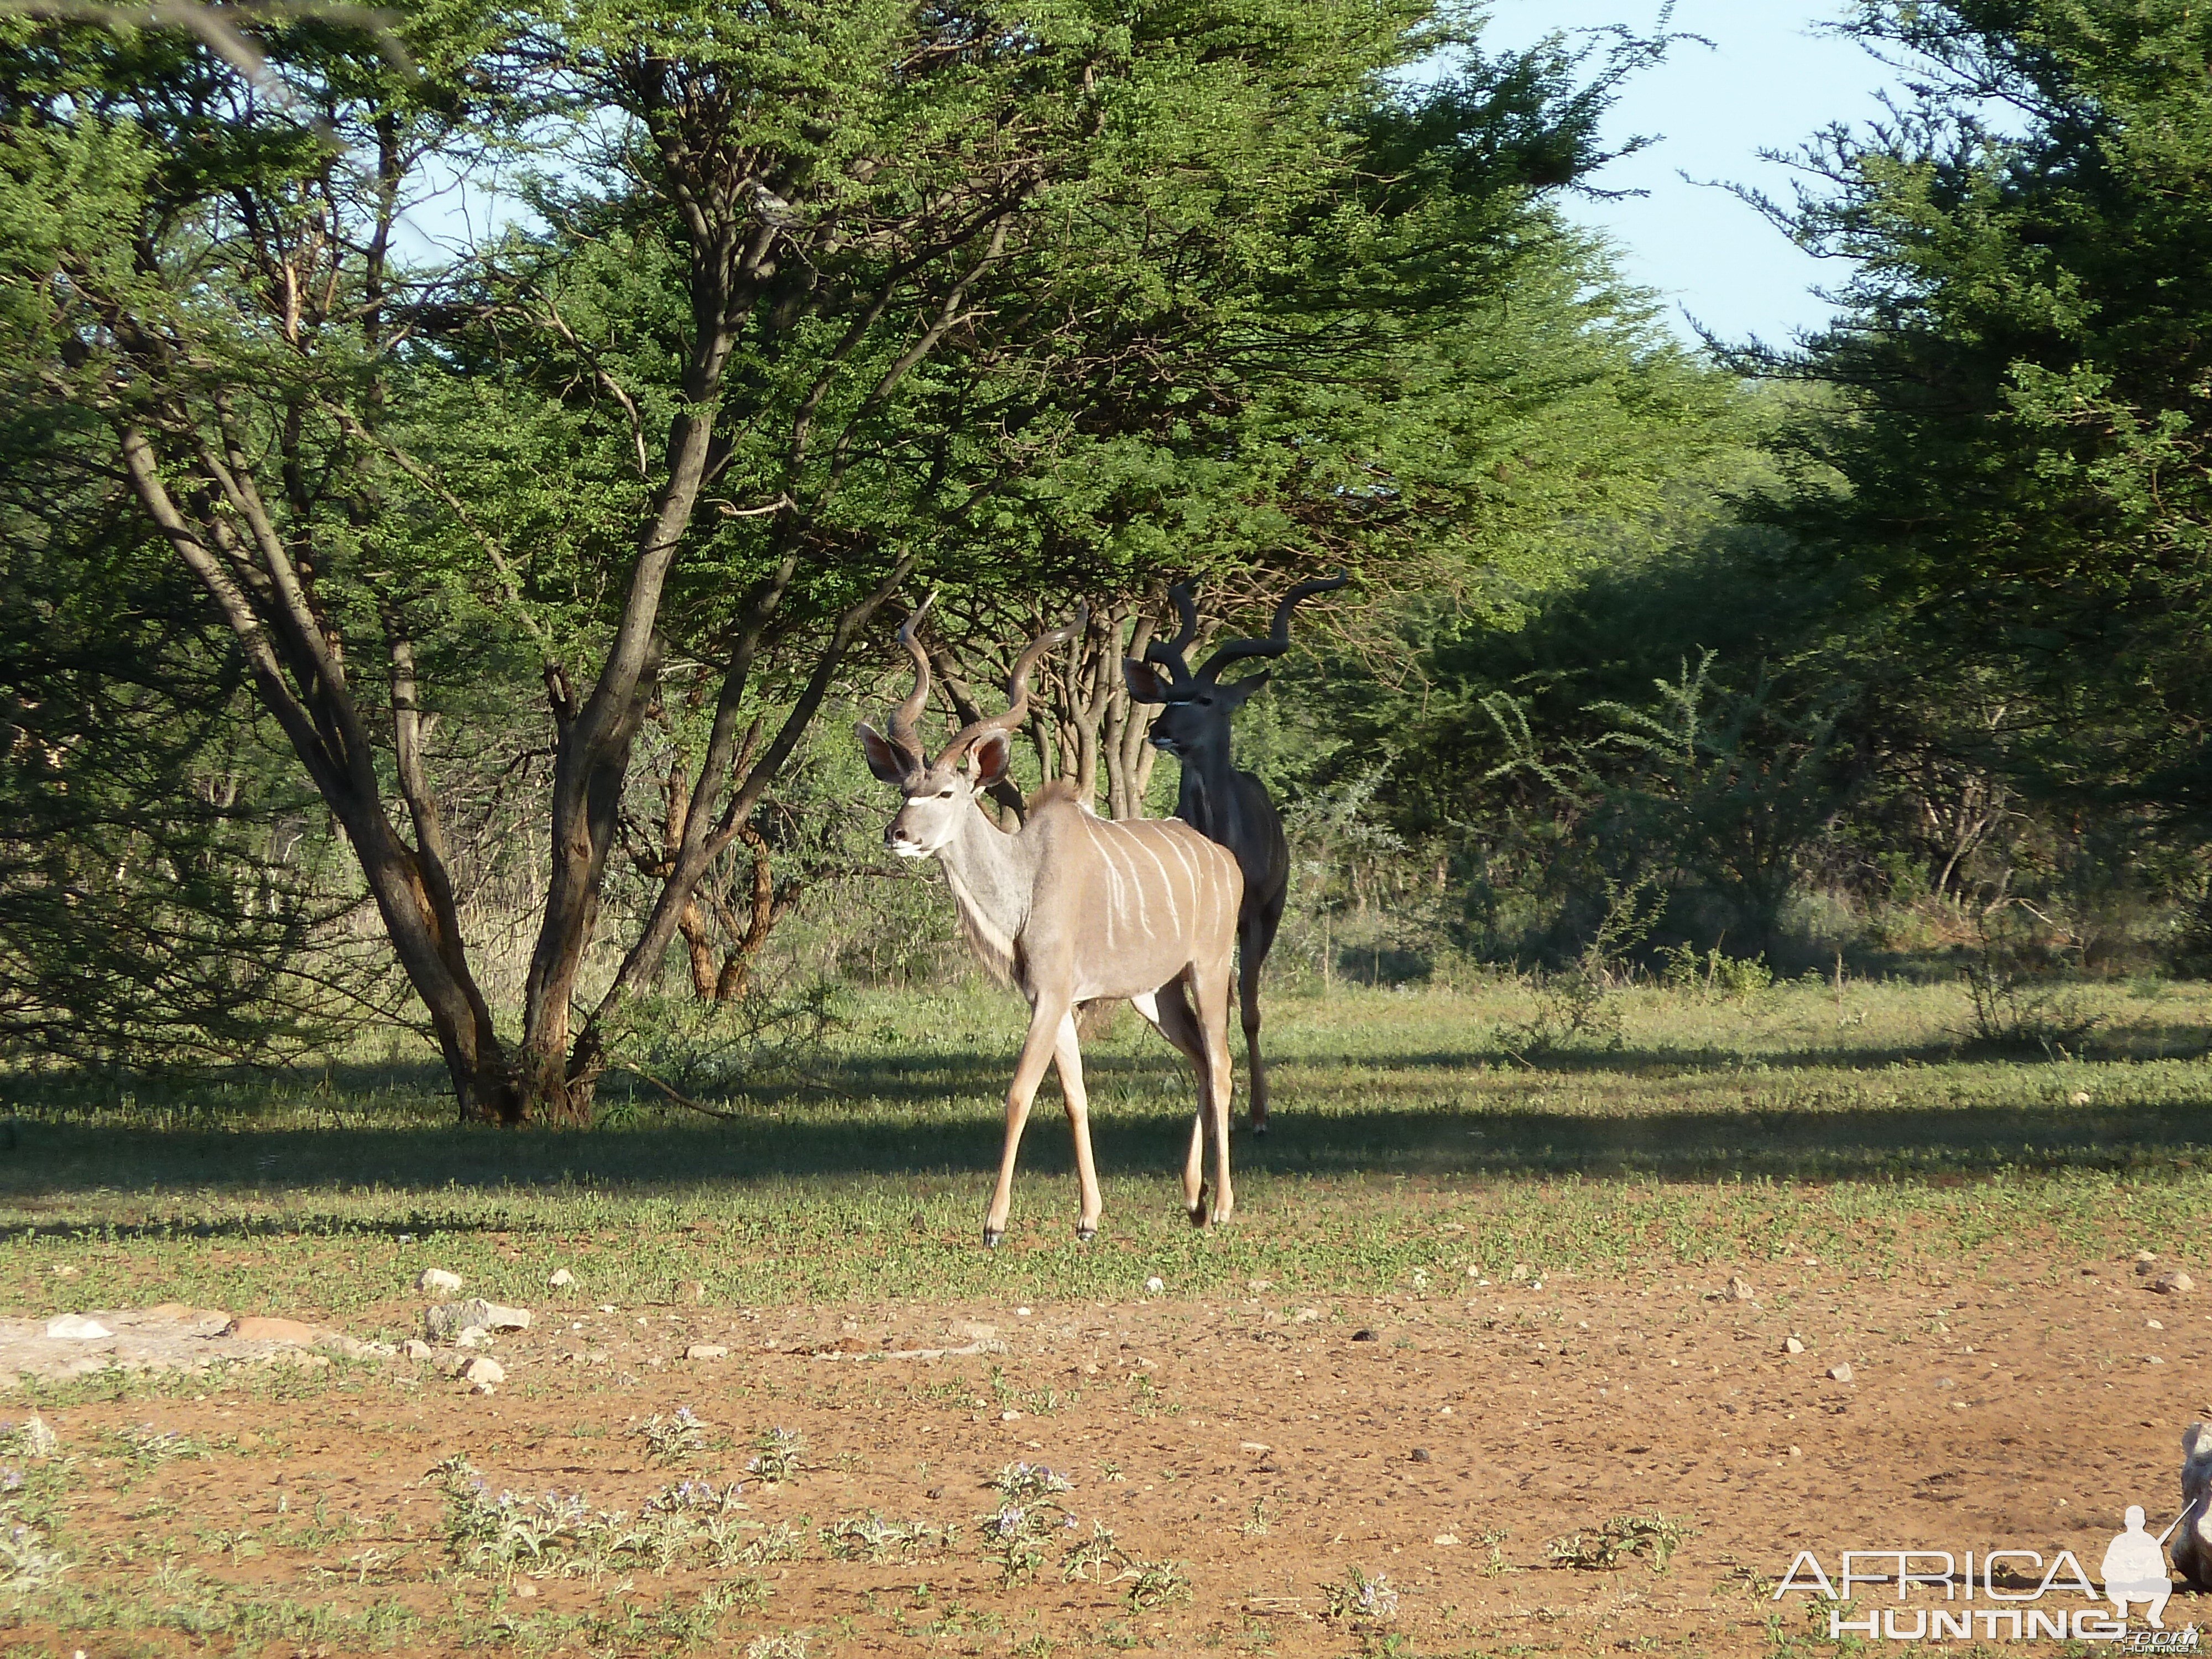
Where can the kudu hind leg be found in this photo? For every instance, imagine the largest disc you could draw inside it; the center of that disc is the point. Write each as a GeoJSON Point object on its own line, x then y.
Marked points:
{"type": "Point", "coordinates": [1170, 1011]}
{"type": "Point", "coordinates": [1068, 1055]}
{"type": "Point", "coordinates": [1255, 937]}
{"type": "Point", "coordinates": [1213, 991]}
{"type": "Point", "coordinates": [1037, 1054]}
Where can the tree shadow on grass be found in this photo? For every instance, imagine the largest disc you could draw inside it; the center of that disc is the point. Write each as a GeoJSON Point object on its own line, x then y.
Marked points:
{"type": "Point", "coordinates": [934, 1116]}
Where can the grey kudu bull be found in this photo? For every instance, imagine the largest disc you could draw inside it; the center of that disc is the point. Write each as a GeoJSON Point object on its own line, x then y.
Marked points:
{"type": "Point", "coordinates": [1068, 908]}
{"type": "Point", "coordinates": [1221, 803]}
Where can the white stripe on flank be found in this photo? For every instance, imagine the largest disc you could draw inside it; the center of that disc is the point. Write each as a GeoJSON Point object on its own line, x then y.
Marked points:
{"type": "Point", "coordinates": [1167, 887]}
{"type": "Point", "coordinates": [1175, 842]}
{"type": "Point", "coordinates": [1116, 901]}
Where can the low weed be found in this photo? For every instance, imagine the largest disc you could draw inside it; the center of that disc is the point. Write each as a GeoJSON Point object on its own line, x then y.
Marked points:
{"type": "Point", "coordinates": [778, 1455]}
{"type": "Point", "coordinates": [674, 1438]}
{"type": "Point", "coordinates": [1357, 1599]}
{"type": "Point", "coordinates": [1655, 1536]}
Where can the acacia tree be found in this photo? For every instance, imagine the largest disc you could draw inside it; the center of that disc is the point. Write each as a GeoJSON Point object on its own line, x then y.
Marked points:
{"type": "Point", "coordinates": [719, 428]}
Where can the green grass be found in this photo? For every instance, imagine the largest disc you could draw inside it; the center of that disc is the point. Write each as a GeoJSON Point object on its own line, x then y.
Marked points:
{"type": "Point", "coordinates": [1408, 1139]}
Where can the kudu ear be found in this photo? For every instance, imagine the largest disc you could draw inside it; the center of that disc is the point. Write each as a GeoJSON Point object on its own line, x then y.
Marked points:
{"type": "Point", "coordinates": [989, 760]}
{"type": "Point", "coordinates": [1146, 683]}
{"type": "Point", "coordinates": [1232, 695]}
{"type": "Point", "coordinates": [884, 760]}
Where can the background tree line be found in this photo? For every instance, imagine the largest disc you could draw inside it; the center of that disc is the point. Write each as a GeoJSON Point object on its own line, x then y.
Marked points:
{"type": "Point", "coordinates": [407, 624]}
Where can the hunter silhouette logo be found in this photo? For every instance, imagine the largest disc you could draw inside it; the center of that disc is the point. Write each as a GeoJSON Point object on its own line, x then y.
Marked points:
{"type": "Point", "coordinates": [2009, 1595]}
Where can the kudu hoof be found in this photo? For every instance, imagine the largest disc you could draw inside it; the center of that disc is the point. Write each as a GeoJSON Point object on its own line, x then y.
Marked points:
{"type": "Point", "coordinates": [1085, 1234]}
{"type": "Point", "coordinates": [1259, 1126]}
{"type": "Point", "coordinates": [992, 1236]}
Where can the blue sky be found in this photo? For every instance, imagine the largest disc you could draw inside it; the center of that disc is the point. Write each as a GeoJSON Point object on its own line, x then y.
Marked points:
{"type": "Point", "coordinates": [1769, 80]}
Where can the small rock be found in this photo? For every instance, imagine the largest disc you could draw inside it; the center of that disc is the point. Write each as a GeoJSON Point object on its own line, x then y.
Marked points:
{"type": "Point", "coordinates": [2078, 1097]}
{"type": "Point", "coordinates": [1155, 1284]}
{"type": "Point", "coordinates": [1796, 1452]}
{"type": "Point", "coordinates": [65, 1271]}
{"type": "Point", "coordinates": [1021, 1313]}
{"type": "Point", "coordinates": [1419, 1454]}
{"type": "Point", "coordinates": [691, 1289]}
{"type": "Point", "coordinates": [2153, 1325]}
{"type": "Point", "coordinates": [1259, 1286]}
{"type": "Point", "coordinates": [1445, 1540]}
{"type": "Point", "coordinates": [444, 1321]}
{"type": "Point", "coordinates": [1010, 1415]}
{"type": "Point", "coordinates": [484, 1372]}
{"type": "Point", "coordinates": [1474, 1272]}
{"type": "Point", "coordinates": [1520, 1270]}
{"type": "Point", "coordinates": [707, 1351]}
{"type": "Point", "coordinates": [2144, 1261]}
{"type": "Point", "coordinates": [76, 1327]}
{"type": "Point", "coordinates": [437, 1281]}
{"type": "Point", "coordinates": [559, 1277]}
{"type": "Point", "coordinates": [1305, 1316]}
{"type": "Point", "coordinates": [35, 1439]}
{"type": "Point", "coordinates": [1258, 1446]}
{"type": "Point", "coordinates": [1739, 1289]}
{"type": "Point", "coordinates": [416, 1348]}
{"type": "Point", "coordinates": [1791, 1345]}
{"type": "Point", "coordinates": [474, 1337]}
{"type": "Point", "coordinates": [2176, 1282]}
{"type": "Point", "coordinates": [1364, 1336]}
{"type": "Point", "coordinates": [1839, 1373]}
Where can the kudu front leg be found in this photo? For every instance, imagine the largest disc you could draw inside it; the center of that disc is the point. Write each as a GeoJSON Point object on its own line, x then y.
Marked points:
{"type": "Point", "coordinates": [1068, 1056]}
{"type": "Point", "coordinates": [1214, 1103]}
{"type": "Point", "coordinates": [1029, 1072]}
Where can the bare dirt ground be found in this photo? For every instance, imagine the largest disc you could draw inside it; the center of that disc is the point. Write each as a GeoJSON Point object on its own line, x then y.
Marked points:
{"type": "Point", "coordinates": [1441, 1440]}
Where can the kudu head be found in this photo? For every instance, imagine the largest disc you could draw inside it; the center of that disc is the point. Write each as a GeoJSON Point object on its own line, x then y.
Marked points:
{"type": "Point", "coordinates": [938, 791]}
{"type": "Point", "coordinates": [1194, 720]}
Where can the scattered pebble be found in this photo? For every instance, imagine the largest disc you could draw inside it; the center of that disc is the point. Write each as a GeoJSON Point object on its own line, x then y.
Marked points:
{"type": "Point", "coordinates": [691, 1289]}
{"type": "Point", "coordinates": [76, 1327]}
{"type": "Point", "coordinates": [1420, 1454]}
{"type": "Point", "coordinates": [1739, 1289]}
{"type": "Point", "coordinates": [1839, 1373]}
{"type": "Point", "coordinates": [1445, 1540]}
{"type": "Point", "coordinates": [707, 1351]}
{"type": "Point", "coordinates": [1155, 1284]}
{"type": "Point", "coordinates": [2176, 1282]}
{"type": "Point", "coordinates": [1259, 1286]}
{"type": "Point", "coordinates": [437, 1281]}
{"type": "Point", "coordinates": [2078, 1097]}
{"type": "Point", "coordinates": [1520, 1270]}
{"type": "Point", "coordinates": [65, 1271]}
{"type": "Point", "coordinates": [1258, 1446]}
{"type": "Point", "coordinates": [559, 1277]}
{"type": "Point", "coordinates": [1796, 1452]}
{"type": "Point", "coordinates": [2153, 1325]}
{"type": "Point", "coordinates": [1364, 1336]}
{"type": "Point", "coordinates": [1021, 1313]}
{"type": "Point", "coordinates": [1010, 1415]}
{"type": "Point", "coordinates": [1305, 1316]}
{"type": "Point", "coordinates": [416, 1348]}
{"type": "Point", "coordinates": [1791, 1345]}
{"type": "Point", "coordinates": [484, 1372]}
